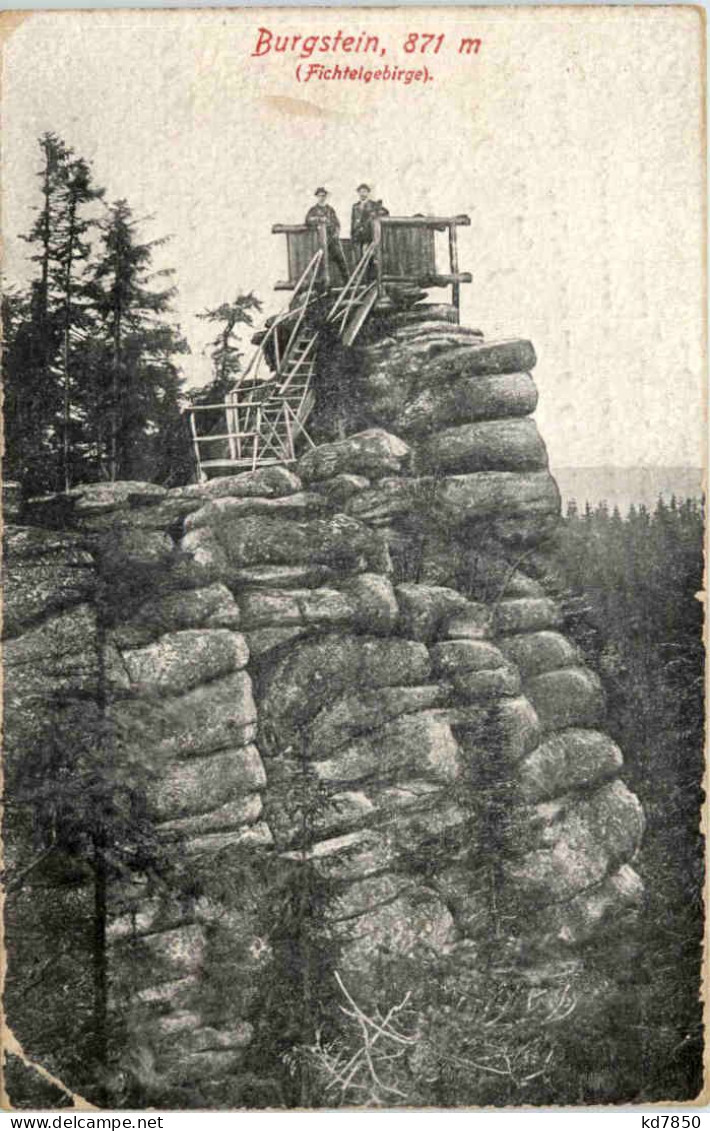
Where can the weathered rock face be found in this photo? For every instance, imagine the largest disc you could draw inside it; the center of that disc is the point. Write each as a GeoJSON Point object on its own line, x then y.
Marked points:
{"type": "Point", "coordinates": [322, 670]}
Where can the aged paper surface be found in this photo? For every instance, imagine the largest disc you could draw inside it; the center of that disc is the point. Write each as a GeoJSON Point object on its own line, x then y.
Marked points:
{"type": "Point", "coordinates": [353, 659]}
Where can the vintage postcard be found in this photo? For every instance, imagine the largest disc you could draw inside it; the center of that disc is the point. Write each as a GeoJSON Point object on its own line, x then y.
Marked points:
{"type": "Point", "coordinates": [354, 408]}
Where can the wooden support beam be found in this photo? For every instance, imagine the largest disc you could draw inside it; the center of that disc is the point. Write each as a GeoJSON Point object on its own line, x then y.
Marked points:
{"type": "Point", "coordinates": [291, 449]}
{"type": "Point", "coordinates": [426, 221]}
{"type": "Point", "coordinates": [255, 448]}
{"type": "Point", "coordinates": [236, 403]}
{"type": "Point", "coordinates": [196, 449]}
{"type": "Point", "coordinates": [461, 220]}
{"type": "Point", "coordinates": [247, 462]}
{"type": "Point", "coordinates": [224, 436]}
{"type": "Point", "coordinates": [323, 244]}
{"type": "Point", "coordinates": [429, 280]}
{"type": "Point", "coordinates": [377, 240]}
{"type": "Point", "coordinates": [454, 265]}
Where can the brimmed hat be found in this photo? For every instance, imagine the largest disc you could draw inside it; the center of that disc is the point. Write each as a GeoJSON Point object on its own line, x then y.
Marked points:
{"type": "Point", "coordinates": [320, 190]}
{"type": "Point", "coordinates": [363, 186]}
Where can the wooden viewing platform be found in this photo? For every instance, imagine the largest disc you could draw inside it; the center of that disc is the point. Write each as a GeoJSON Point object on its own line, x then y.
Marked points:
{"type": "Point", "coordinates": [405, 252]}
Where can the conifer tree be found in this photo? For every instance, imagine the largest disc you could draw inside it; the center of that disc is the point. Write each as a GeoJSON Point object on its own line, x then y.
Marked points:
{"type": "Point", "coordinates": [31, 344]}
{"type": "Point", "coordinates": [18, 396]}
{"type": "Point", "coordinates": [72, 253]}
{"type": "Point", "coordinates": [225, 349]}
{"type": "Point", "coordinates": [43, 233]}
{"type": "Point", "coordinates": [137, 381]}
{"type": "Point", "coordinates": [90, 382]}
{"type": "Point", "coordinates": [48, 325]}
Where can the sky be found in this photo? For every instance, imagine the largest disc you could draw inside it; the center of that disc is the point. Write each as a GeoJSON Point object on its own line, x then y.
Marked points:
{"type": "Point", "coordinates": [572, 140]}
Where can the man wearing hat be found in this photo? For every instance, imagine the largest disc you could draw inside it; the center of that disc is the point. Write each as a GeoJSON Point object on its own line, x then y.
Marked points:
{"type": "Point", "coordinates": [361, 228]}
{"type": "Point", "coordinates": [323, 213]}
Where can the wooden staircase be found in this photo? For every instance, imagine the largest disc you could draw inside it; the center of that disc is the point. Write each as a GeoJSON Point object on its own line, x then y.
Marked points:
{"type": "Point", "coordinates": [266, 413]}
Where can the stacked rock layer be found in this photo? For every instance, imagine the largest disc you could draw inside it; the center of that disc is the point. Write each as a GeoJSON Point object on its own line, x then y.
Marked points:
{"type": "Point", "coordinates": [334, 668]}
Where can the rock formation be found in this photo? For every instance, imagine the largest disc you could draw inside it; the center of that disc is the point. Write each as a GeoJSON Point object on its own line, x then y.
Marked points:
{"type": "Point", "coordinates": [340, 670]}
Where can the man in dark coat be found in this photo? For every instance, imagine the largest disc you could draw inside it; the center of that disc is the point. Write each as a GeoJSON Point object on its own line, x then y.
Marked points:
{"type": "Point", "coordinates": [361, 227]}
{"type": "Point", "coordinates": [322, 212]}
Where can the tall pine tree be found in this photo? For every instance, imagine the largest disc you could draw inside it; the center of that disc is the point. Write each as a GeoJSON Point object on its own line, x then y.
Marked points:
{"type": "Point", "coordinates": [135, 402]}
{"type": "Point", "coordinates": [31, 340]}
{"type": "Point", "coordinates": [72, 254]}
{"type": "Point", "coordinates": [91, 387]}
{"type": "Point", "coordinates": [42, 429]}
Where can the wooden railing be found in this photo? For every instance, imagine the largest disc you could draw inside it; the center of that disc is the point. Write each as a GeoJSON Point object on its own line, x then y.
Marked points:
{"type": "Point", "coordinates": [403, 252]}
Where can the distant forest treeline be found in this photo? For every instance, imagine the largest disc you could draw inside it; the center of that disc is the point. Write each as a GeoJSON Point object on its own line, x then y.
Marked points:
{"type": "Point", "coordinates": [622, 486]}
{"type": "Point", "coordinates": [91, 353]}
{"type": "Point", "coordinates": [629, 587]}
{"type": "Point", "coordinates": [640, 572]}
